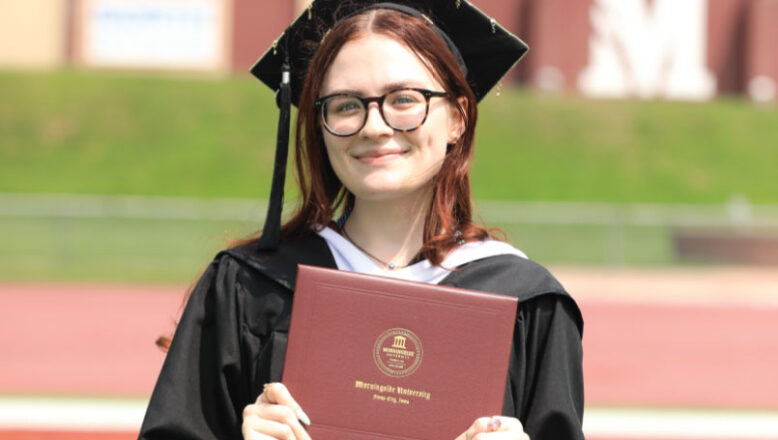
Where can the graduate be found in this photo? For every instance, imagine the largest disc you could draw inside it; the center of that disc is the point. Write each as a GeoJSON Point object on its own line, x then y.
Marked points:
{"type": "Point", "coordinates": [387, 99]}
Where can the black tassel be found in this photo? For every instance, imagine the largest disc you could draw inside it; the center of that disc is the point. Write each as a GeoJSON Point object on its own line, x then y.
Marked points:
{"type": "Point", "coordinates": [271, 233]}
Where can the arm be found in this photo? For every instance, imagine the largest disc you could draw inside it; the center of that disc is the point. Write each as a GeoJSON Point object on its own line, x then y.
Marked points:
{"type": "Point", "coordinates": [200, 392]}
{"type": "Point", "coordinates": [545, 389]}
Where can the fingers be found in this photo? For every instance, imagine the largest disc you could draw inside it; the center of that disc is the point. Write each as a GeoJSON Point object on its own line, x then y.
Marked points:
{"type": "Point", "coordinates": [277, 393]}
{"type": "Point", "coordinates": [494, 424]}
{"type": "Point", "coordinates": [256, 428]}
{"type": "Point", "coordinates": [271, 421]}
{"type": "Point", "coordinates": [495, 428]}
{"type": "Point", "coordinates": [274, 415]}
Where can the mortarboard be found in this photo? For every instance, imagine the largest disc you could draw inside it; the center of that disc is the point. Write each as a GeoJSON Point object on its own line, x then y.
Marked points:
{"type": "Point", "coordinates": [483, 48]}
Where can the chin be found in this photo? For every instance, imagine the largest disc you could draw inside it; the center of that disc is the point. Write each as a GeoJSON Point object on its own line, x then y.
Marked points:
{"type": "Point", "coordinates": [387, 191]}
{"type": "Point", "coordinates": [381, 193]}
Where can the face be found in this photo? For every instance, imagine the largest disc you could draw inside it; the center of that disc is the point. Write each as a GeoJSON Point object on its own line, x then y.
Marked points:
{"type": "Point", "coordinates": [378, 162]}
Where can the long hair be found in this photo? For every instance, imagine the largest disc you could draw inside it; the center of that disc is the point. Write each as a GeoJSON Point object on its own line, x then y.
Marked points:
{"type": "Point", "coordinates": [449, 221]}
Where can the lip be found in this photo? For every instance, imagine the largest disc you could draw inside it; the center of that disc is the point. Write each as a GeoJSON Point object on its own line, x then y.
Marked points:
{"type": "Point", "coordinates": [380, 155]}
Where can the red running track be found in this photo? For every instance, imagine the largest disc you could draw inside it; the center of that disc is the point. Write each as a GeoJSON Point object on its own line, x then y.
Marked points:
{"type": "Point", "coordinates": [66, 435]}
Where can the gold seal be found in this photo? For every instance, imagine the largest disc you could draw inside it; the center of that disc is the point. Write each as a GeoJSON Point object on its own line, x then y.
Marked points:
{"type": "Point", "coordinates": [397, 352]}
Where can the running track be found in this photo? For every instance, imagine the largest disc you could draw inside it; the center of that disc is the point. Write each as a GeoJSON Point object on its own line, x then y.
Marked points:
{"type": "Point", "coordinates": [691, 338]}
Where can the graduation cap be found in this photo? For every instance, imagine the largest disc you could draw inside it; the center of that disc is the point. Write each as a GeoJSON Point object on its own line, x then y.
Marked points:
{"type": "Point", "coordinates": [484, 50]}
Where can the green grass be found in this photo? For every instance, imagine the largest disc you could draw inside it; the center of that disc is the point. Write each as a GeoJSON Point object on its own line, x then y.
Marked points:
{"type": "Point", "coordinates": [115, 134]}
{"type": "Point", "coordinates": [108, 133]}
{"type": "Point", "coordinates": [536, 147]}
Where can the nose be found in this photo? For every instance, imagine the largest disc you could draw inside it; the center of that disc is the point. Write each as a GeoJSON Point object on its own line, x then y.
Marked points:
{"type": "Point", "coordinates": [375, 126]}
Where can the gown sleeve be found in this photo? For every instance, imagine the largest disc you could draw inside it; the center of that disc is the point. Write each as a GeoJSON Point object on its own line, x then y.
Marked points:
{"type": "Point", "coordinates": [545, 387]}
{"type": "Point", "coordinates": [200, 392]}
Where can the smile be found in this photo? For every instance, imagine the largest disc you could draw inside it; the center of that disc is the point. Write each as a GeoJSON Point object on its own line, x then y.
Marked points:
{"type": "Point", "coordinates": [379, 157]}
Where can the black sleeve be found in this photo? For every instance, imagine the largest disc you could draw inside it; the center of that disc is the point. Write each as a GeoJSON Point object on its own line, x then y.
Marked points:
{"type": "Point", "coordinates": [200, 392]}
{"type": "Point", "coordinates": [545, 387]}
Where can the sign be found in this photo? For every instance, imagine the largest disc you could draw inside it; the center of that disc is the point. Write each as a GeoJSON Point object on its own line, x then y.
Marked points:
{"type": "Point", "coordinates": [648, 49]}
{"type": "Point", "coordinates": [174, 34]}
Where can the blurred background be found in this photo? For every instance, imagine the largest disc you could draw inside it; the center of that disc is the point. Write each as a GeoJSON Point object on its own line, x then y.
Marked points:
{"type": "Point", "coordinates": [633, 151]}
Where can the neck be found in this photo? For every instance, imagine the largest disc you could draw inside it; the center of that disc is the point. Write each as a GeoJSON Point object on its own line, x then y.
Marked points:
{"type": "Point", "coordinates": [391, 231]}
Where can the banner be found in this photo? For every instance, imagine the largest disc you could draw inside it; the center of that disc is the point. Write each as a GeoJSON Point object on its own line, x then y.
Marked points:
{"type": "Point", "coordinates": [167, 34]}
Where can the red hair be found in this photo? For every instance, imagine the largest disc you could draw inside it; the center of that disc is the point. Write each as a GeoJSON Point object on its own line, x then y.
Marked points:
{"type": "Point", "coordinates": [323, 195]}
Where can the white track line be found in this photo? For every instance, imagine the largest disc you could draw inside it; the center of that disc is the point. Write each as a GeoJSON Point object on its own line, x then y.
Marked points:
{"type": "Point", "coordinates": [95, 414]}
{"type": "Point", "coordinates": [71, 414]}
{"type": "Point", "coordinates": [680, 424]}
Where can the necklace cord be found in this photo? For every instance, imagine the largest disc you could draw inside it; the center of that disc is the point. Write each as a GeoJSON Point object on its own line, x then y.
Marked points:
{"type": "Point", "coordinates": [390, 266]}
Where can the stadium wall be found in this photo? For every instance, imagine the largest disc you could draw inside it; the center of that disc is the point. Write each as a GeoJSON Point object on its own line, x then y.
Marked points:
{"type": "Point", "coordinates": [691, 50]}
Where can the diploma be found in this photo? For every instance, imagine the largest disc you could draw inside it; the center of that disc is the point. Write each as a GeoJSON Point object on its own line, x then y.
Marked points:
{"type": "Point", "coordinates": [374, 357]}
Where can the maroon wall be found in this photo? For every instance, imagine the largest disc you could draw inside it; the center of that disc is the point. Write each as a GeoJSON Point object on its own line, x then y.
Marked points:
{"type": "Point", "coordinates": [69, 45]}
{"type": "Point", "coordinates": [256, 25]}
{"type": "Point", "coordinates": [727, 21]}
{"type": "Point", "coordinates": [742, 37]}
{"type": "Point", "coordinates": [558, 31]}
{"type": "Point", "coordinates": [762, 41]}
{"type": "Point", "coordinates": [742, 42]}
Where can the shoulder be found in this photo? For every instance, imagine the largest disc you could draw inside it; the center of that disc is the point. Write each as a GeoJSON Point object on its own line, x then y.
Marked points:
{"type": "Point", "coordinates": [256, 286]}
{"type": "Point", "coordinates": [245, 274]}
{"type": "Point", "coordinates": [280, 265]}
{"type": "Point", "coordinates": [516, 276]}
{"type": "Point", "coordinates": [507, 274]}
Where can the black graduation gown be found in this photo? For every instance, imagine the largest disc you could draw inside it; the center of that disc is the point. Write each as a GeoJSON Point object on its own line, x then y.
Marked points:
{"type": "Point", "coordinates": [231, 340]}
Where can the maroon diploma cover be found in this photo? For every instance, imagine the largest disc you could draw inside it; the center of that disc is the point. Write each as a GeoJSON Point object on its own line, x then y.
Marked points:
{"type": "Point", "coordinates": [374, 357]}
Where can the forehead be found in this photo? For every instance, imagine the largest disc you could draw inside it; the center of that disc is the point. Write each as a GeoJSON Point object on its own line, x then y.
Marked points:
{"type": "Point", "coordinates": [373, 64]}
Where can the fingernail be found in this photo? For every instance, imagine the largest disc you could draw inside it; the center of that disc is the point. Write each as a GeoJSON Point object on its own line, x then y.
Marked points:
{"type": "Point", "coordinates": [303, 418]}
{"type": "Point", "coordinates": [494, 424]}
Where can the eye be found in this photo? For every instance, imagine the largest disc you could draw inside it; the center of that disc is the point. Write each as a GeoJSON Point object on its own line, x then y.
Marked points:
{"type": "Point", "coordinates": [343, 105]}
{"type": "Point", "coordinates": [405, 99]}
{"type": "Point", "coordinates": [347, 106]}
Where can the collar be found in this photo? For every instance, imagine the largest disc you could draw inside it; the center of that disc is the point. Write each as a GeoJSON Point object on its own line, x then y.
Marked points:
{"type": "Point", "coordinates": [349, 257]}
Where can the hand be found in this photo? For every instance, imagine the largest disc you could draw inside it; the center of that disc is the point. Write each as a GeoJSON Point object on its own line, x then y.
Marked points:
{"type": "Point", "coordinates": [495, 428]}
{"type": "Point", "coordinates": [275, 415]}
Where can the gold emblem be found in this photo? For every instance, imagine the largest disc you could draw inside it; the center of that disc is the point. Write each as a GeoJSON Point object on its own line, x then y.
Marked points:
{"type": "Point", "coordinates": [399, 342]}
{"type": "Point", "coordinates": [397, 352]}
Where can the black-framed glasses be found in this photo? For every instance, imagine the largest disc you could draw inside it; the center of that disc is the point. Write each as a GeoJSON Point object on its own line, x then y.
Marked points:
{"type": "Point", "coordinates": [344, 114]}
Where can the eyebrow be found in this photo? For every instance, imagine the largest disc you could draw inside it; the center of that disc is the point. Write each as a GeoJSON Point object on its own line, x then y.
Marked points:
{"type": "Point", "coordinates": [405, 84]}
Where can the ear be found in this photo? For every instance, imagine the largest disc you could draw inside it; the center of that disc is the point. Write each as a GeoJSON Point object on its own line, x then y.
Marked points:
{"type": "Point", "coordinates": [458, 119]}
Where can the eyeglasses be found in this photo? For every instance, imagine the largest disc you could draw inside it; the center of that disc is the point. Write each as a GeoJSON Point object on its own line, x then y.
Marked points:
{"type": "Point", "coordinates": [404, 110]}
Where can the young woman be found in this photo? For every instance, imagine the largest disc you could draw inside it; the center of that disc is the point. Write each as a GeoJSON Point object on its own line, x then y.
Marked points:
{"type": "Point", "coordinates": [385, 135]}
